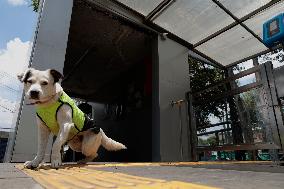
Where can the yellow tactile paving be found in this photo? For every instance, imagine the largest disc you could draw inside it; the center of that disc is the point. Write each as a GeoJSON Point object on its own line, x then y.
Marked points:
{"type": "Point", "coordinates": [88, 176]}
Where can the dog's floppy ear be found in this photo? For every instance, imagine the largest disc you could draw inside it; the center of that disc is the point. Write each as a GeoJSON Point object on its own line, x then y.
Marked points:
{"type": "Point", "coordinates": [56, 75]}
{"type": "Point", "coordinates": [24, 76]}
{"type": "Point", "coordinates": [21, 76]}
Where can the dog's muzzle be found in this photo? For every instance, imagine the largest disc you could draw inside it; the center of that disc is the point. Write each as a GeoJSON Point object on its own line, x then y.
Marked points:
{"type": "Point", "coordinates": [34, 95]}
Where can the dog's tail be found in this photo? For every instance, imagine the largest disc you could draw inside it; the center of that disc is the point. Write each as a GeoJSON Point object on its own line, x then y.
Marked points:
{"type": "Point", "coordinates": [111, 144]}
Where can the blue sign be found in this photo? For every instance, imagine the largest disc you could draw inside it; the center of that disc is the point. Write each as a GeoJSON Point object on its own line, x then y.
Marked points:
{"type": "Point", "coordinates": [273, 31]}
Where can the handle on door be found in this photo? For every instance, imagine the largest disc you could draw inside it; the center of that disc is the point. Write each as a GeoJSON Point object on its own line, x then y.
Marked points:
{"type": "Point", "coordinates": [178, 102]}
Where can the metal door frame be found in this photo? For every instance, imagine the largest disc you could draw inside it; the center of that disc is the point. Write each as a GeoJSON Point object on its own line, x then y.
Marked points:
{"type": "Point", "coordinates": [273, 118]}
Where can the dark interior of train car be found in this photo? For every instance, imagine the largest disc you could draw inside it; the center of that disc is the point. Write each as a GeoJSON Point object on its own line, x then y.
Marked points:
{"type": "Point", "coordinates": [108, 63]}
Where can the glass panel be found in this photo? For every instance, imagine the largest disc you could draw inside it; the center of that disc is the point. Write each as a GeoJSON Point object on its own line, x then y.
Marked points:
{"type": "Point", "coordinates": [233, 45]}
{"type": "Point", "coordinates": [241, 8]}
{"type": "Point", "coordinates": [253, 117]}
{"type": "Point", "coordinates": [246, 80]}
{"type": "Point", "coordinates": [144, 7]}
{"type": "Point", "coordinates": [193, 20]}
{"type": "Point", "coordinates": [255, 23]}
{"type": "Point", "coordinates": [250, 109]}
{"type": "Point", "coordinates": [244, 118]}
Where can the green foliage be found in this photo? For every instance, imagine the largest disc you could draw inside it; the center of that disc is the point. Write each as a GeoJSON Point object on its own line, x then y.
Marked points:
{"type": "Point", "coordinates": [35, 5]}
{"type": "Point", "coordinates": [211, 141]}
{"type": "Point", "coordinates": [202, 76]}
{"type": "Point", "coordinates": [249, 99]}
{"type": "Point", "coordinates": [275, 55]}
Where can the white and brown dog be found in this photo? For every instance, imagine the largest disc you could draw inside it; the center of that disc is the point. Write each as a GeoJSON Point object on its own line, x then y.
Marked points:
{"type": "Point", "coordinates": [42, 89]}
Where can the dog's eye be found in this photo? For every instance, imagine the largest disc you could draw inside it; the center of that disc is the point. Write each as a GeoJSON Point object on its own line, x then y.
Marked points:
{"type": "Point", "coordinates": [30, 81]}
{"type": "Point", "coordinates": [44, 83]}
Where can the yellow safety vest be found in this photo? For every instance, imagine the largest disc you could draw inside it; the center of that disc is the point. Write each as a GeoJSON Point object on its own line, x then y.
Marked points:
{"type": "Point", "coordinates": [48, 115]}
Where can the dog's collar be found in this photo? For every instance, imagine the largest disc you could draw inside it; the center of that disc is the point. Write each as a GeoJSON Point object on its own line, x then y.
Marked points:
{"type": "Point", "coordinates": [42, 102]}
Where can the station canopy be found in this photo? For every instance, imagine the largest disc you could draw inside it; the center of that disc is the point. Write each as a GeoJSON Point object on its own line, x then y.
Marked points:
{"type": "Point", "coordinates": [226, 32]}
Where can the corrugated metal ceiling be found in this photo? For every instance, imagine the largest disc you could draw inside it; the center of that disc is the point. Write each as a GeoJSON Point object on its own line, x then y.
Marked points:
{"type": "Point", "coordinates": [227, 31]}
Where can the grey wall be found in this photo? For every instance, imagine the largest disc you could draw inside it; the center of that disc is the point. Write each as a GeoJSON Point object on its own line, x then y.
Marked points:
{"type": "Point", "coordinates": [49, 52]}
{"type": "Point", "coordinates": [173, 84]}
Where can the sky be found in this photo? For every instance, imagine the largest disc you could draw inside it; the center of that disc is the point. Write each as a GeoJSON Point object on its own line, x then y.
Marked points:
{"type": "Point", "coordinates": [17, 26]}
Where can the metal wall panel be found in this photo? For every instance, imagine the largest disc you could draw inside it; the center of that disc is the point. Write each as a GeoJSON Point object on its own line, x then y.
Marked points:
{"type": "Point", "coordinates": [173, 85]}
{"type": "Point", "coordinates": [49, 52]}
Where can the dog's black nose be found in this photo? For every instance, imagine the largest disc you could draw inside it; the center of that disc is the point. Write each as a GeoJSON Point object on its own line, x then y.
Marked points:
{"type": "Point", "coordinates": [34, 94]}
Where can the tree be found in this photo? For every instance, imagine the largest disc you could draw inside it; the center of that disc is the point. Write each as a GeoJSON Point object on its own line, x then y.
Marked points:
{"type": "Point", "coordinates": [35, 5]}
{"type": "Point", "coordinates": [275, 55]}
{"type": "Point", "coordinates": [211, 141]}
{"type": "Point", "coordinates": [249, 99]}
{"type": "Point", "coordinates": [202, 76]}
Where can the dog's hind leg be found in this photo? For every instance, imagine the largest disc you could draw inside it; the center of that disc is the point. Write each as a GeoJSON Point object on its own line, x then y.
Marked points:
{"type": "Point", "coordinates": [76, 144]}
{"type": "Point", "coordinates": [90, 145]}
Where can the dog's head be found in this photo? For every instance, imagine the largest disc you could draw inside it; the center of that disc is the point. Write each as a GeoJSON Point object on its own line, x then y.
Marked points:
{"type": "Point", "coordinates": [40, 85]}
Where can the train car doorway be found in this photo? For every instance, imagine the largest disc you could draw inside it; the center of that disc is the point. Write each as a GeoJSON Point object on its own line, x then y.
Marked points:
{"type": "Point", "coordinates": [108, 64]}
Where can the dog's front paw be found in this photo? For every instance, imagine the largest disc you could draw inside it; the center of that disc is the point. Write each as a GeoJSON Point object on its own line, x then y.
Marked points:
{"type": "Point", "coordinates": [31, 164]}
{"type": "Point", "coordinates": [56, 163]}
